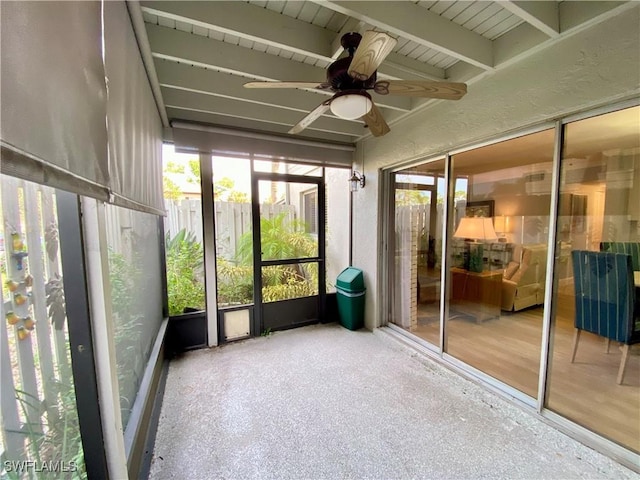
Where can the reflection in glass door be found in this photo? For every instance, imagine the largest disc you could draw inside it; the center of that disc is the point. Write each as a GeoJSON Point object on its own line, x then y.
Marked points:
{"type": "Point", "coordinates": [288, 246]}
{"type": "Point", "coordinates": [592, 381]}
{"type": "Point", "coordinates": [498, 258]}
{"type": "Point", "coordinates": [418, 209]}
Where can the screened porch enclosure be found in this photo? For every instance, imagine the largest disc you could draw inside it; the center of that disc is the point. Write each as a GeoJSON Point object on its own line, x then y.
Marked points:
{"type": "Point", "coordinates": [107, 272]}
{"type": "Point", "coordinates": [278, 248]}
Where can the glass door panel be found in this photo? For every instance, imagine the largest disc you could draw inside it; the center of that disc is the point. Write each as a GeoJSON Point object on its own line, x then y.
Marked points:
{"type": "Point", "coordinates": [499, 254]}
{"type": "Point", "coordinates": [284, 282]}
{"type": "Point", "coordinates": [288, 220]}
{"type": "Point", "coordinates": [600, 185]}
{"type": "Point", "coordinates": [233, 231]}
{"type": "Point", "coordinates": [418, 209]}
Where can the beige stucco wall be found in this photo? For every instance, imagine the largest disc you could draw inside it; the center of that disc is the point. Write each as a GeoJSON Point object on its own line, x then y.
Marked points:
{"type": "Point", "coordinates": [591, 68]}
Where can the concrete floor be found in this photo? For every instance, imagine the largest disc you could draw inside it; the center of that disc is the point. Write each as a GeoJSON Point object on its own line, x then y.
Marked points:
{"type": "Point", "coordinates": [324, 402]}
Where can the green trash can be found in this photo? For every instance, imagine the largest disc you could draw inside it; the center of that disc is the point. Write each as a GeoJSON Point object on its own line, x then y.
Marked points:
{"type": "Point", "coordinates": [350, 292]}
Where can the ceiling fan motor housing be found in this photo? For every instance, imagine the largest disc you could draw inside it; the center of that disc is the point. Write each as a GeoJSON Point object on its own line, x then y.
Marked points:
{"type": "Point", "coordinates": [339, 79]}
{"type": "Point", "coordinates": [337, 73]}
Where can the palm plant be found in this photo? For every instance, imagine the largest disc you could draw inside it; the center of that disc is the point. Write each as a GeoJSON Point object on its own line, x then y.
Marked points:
{"type": "Point", "coordinates": [185, 263]}
{"type": "Point", "coordinates": [281, 238]}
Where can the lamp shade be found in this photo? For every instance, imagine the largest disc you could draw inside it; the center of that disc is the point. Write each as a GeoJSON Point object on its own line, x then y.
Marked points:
{"type": "Point", "coordinates": [351, 106]}
{"type": "Point", "coordinates": [476, 228]}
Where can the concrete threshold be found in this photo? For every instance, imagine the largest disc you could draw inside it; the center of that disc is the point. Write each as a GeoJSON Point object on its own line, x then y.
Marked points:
{"type": "Point", "coordinates": [325, 402]}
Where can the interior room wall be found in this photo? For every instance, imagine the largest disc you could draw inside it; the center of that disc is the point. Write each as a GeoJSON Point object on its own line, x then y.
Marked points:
{"type": "Point", "coordinates": [588, 69]}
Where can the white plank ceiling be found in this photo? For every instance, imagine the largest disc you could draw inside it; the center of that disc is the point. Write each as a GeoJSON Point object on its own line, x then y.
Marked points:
{"type": "Point", "coordinates": [199, 54]}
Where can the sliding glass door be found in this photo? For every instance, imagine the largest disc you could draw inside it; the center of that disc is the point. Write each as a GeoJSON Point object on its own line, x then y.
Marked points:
{"type": "Point", "coordinates": [418, 212]}
{"type": "Point", "coordinates": [503, 215]}
{"type": "Point", "coordinates": [498, 247]}
{"type": "Point", "coordinates": [600, 180]}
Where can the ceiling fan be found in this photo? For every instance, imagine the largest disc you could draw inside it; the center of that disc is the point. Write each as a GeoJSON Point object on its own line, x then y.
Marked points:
{"type": "Point", "coordinates": [350, 77]}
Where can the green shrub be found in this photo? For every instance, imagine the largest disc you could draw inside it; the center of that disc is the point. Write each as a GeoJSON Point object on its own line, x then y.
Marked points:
{"type": "Point", "coordinates": [235, 283]}
{"type": "Point", "coordinates": [281, 238]}
{"type": "Point", "coordinates": [185, 287]}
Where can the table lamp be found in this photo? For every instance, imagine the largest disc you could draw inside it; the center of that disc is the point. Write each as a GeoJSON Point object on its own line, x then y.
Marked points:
{"type": "Point", "coordinates": [501, 226]}
{"type": "Point", "coordinates": [475, 230]}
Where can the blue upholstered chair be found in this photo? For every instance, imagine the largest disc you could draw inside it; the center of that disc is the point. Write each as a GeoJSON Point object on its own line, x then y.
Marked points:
{"type": "Point", "coordinates": [606, 302]}
{"type": "Point", "coordinates": [630, 248]}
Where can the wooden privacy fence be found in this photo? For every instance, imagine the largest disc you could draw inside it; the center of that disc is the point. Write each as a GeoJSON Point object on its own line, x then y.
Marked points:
{"type": "Point", "coordinates": [412, 231]}
{"type": "Point", "coordinates": [232, 220]}
{"type": "Point", "coordinates": [35, 363]}
{"type": "Point", "coordinates": [418, 219]}
{"type": "Point", "coordinates": [185, 214]}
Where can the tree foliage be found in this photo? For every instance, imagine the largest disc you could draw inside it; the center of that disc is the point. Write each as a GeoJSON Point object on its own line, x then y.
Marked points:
{"type": "Point", "coordinates": [171, 191]}
{"type": "Point", "coordinates": [173, 167]}
{"type": "Point", "coordinates": [184, 272]}
{"type": "Point", "coordinates": [223, 191]}
{"type": "Point", "coordinates": [281, 238]}
{"type": "Point", "coordinates": [194, 170]}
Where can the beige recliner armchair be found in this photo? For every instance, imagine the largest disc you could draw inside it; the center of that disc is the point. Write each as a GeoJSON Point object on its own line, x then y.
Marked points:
{"type": "Point", "coordinates": [524, 278]}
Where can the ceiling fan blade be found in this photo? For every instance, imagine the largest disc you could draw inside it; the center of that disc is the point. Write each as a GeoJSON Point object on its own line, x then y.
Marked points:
{"type": "Point", "coordinates": [375, 122]}
{"type": "Point", "coordinates": [318, 86]}
{"type": "Point", "coordinates": [410, 88]}
{"type": "Point", "coordinates": [311, 117]}
{"type": "Point", "coordinates": [373, 49]}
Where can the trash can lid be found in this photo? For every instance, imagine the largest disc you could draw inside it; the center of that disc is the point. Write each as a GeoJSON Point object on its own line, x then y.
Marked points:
{"type": "Point", "coordinates": [351, 279]}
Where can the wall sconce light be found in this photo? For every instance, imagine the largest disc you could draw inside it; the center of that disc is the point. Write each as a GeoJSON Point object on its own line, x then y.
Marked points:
{"type": "Point", "coordinates": [356, 179]}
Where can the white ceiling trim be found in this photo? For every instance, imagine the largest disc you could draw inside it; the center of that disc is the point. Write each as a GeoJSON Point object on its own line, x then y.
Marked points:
{"type": "Point", "coordinates": [252, 23]}
{"type": "Point", "coordinates": [545, 16]}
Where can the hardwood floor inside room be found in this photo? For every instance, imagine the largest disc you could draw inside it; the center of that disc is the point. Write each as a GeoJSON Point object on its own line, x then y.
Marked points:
{"type": "Point", "coordinates": [508, 348]}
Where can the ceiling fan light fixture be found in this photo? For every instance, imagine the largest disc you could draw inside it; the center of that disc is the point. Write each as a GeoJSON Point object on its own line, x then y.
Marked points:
{"type": "Point", "coordinates": [351, 106]}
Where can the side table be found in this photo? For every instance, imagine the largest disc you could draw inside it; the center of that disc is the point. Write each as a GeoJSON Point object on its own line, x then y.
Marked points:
{"type": "Point", "coordinates": [477, 294]}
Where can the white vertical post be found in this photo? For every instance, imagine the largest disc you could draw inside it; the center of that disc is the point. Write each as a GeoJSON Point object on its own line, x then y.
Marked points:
{"type": "Point", "coordinates": [36, 270]}
{"type": "Point", "coordinates": [209, 242]}
{"type": "Point", "coordinates": [95, 244]}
